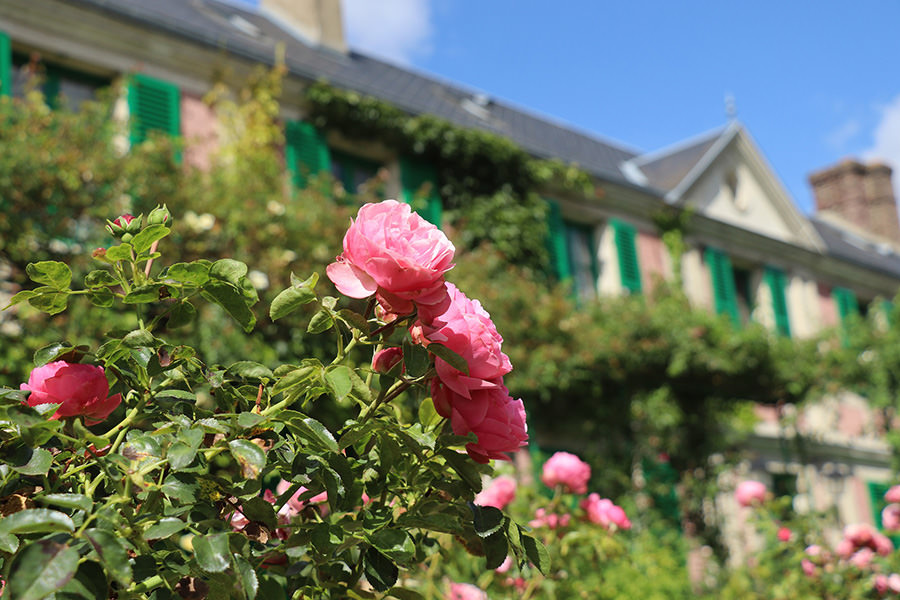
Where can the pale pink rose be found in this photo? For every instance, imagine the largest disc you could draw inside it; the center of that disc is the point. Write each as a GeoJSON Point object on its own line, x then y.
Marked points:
{"type": "Point", "coordinates": [490, 413]}
{"type": "Point", "coordinates": [809, 568]}
{"type": "Point", "coordinates": [567, 470]}
{"type": "Point", "coordinates": [750, 492]}
{"type": "Point", "coordinates": [466, 328]}
{"type": "Point", "coordinates": [890, 517]}
{"type": "Point", "coordinates": [466, 591]}
{"type": "Point", "coordinates": [551, 520]}
{"type": "Point", "coordinates": [386, 358]}
{"type": "Point", "coordinates": [505, 566]}
{"type": "Point", "coordinates": [845, 548]}
{"type": "Point", "coordinates": [80, 390]}
{"type": "Point", "coordinates": [894, 582]}
{"type": "Point", "coordinates": [784, 534]}
{"type": "Point", "coordinates": [603, 512]}
{"type": "Point", "coordinates": [893, 494]}
{"type": "Point", "coordinates": [862, 558]}
{"type": "Point", "coordinates": [394, 252]}
{"type": "Point", "coordinates": [500, 492]}
{"type": "Point", "coordinates": [880, 584]}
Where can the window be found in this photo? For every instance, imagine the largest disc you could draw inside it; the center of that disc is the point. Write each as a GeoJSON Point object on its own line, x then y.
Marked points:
{"type": "Point", "coordinates": [744, 292]}
{"type": "Point", "coordinates": [420, 189]}
{"type": "Point", "coordinates": [723, 285]}
{"type": "Point", "coordinates": [626, 249]}
{"type": "Point", "coordinates": [352, 172]}
{"type": "Point", "coordinates": [573, 253]}
{"type": "Point", "coordinates": [57, 83]}
{"type": "Point", "coordinates": [153, 105]}
{"type": "Point", "coordinates": [306, 152]}
{"type": "Point", "coordinates": [776, 280]}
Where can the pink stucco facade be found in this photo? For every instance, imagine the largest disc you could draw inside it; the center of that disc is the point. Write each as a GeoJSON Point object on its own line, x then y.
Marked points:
{"type": "Point", "coordinates": [200, 131]}
{"type": "Point", "coordinates": [652, 257]}
{"type": "Point", "coordinates": [827, 308]}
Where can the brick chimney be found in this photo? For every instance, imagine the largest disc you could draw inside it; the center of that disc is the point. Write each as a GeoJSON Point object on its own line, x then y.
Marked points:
{"type": "Point", "coordinates": [317, 21]}
{"type": "Point", "coordinates": [861, 194]}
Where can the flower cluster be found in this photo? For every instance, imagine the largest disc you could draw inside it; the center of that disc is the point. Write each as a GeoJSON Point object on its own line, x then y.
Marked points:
{"type": "Point", "coordinates": [394, 254]}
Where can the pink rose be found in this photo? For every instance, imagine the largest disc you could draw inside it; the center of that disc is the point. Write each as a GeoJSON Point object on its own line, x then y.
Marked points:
{"type": "Point", "coordinates": [490, 413]}
{"type": "Point", "coordinates": [894, 582]}
{"type": "Point", "coordinates": [297, 504]}
{"type": "Point", "coordinates": [466, 591]}
{"type": "Point", "coordinates": [750, 492]}
{"type": "Point", "coordinates": [862, 558]}
{"type": "Point", "coordinates": [882, 544]}
{"type": "Point", "coordinates": [784, 534]}
{"type": "Point", "coordinates": [466, 328]}
{"type": "Point", "coordinates": [880, 584]}
{"type": "Point", "coordinates": [603, 512]}
{"type": "Point", "coordinates": [394, 253]}
{"type": "Point", "coordinates": [499, 493]}
{"type": "Point", "coordinates": [890, 517]}
{"type": "Point", "coordinates": [893, 494]}
{"type": "Point", "coordinates": [80, 390]}
{"type": "Point", "coordinates": [385, 359]}
{"type": "Point", "coordinates": [505, 566]}
{"type": "Point", "coordinates": [568, 471]}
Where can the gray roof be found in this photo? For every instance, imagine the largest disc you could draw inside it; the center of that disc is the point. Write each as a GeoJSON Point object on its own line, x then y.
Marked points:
{"type": "Point", "coordinates": [853, 248]}
{"type": "Point", "coordinates": [211, 22]}
{"type": "Point", "coordinates": [665, 169]}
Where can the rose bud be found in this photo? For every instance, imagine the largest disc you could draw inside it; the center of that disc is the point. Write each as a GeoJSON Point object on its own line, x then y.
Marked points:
{"type": "Point", "coordinates": [159, 216]}
{"type": "Point", "coordinates": [386, 359]}
{"type": "Point", "coordinates": [118, 226]}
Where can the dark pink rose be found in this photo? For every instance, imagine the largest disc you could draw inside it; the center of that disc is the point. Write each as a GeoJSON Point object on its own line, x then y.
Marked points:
{"type": "Point", "coordinates": [499, 493]}
{"type": "Point", "coordinates": [490, 413]}
{"type": "Point", "coordinates": [750, 492]}
{"type": "Point", "coordinates": [603, 512]}
{"type": "Point", "coordinates": [394, 252]}
{"type": "Point", "coordinates": [567, 470]}
{"type": "Point", "coordinates": [385, 359]}
{"type": "Point", "coordinates": [80, 390]}
{"type": "Point", "coordinates": [466, 591]}
{"type": "Point", "coordinates": [880, 584]}
{"type": "Point", "coordinates": [784, 534]}
{"type": "Point", "coordinates": [466, 328]}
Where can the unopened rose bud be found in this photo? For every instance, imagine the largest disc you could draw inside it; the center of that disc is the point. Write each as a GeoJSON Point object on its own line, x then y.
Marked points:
{"type": "Point", "coordinates": [99, 253]}
{"type": "Point", "coordinates": [159, 216]}
{"type": "Point", "coordinates": [387, 359]}
{"type": "Point", "coordinates": [135, 224]}
{"type": "Point", "coordinates": [118, 226]}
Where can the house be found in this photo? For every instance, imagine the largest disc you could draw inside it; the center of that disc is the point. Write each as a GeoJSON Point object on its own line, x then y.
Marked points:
{"type": "Point", "coordinates": [751, 254]}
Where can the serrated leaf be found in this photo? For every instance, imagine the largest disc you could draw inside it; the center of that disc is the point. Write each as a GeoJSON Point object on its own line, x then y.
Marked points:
{"type": "Point", "coordinates": [41, 569]}
{"type": "Point", "coordinates": [320, 322]}
{"type": "Point", "coordinates": [295, 377]}
{"type": "Point", "coordinates": [212, 553]}
{"type": "Point", "coordinates": [314, 432]}
{"type": "Point", "coordinates": [102, 297]}
{"type": "Point", "coordinates": [72, 501]}
{"type": "Point", "coordinates": [8, 543]}
{"type": "Point", "coordinates": [54, 274]}
{"type": "Point", "coordinates": [38, 463]}
{"type": "Point", "coordinates": [47, 300]}
{"type": "Point", "coordinates": [393, 543]}
{"type": "Point", "coordinates": [404, 594]}
{"type": "Point", "coordinates": [486, 520]}
{"type": "Point", "coordinates": [380, 572]}
{"type": "Point", "coordinates": [536, 553]}
{"type": "Point", "coordinates": [415, 358]}
{"type": "Point", "coordinates": [249, 420]}
{"type": "Point", "coordinates": [246, 577]}
{"type": "Point", "coordinates": [120, 252]}
{"type": "Point", "coordinates": [138, 338]}
{"type": "Point", "coordinates": [464, 467]}
{"type": "Point", "coordinates": [182, 314]}
{"type": "Point", "coordinates": [228, 297]}
{"type": "Point", "coordinates": [190, 273]}
{"type": "Point", "coordinates": [428, 416]}
{"type": "Point", "coordinates": [250, 456]}
{"type": "Point", "coordinates": [143, 294]}
{"type": "Point", "coordinates": [449, 356]}
{"type": "Point", "coordinates": [36, 520]}
{"type": "Point", "coordinates": [228, 269]}
{"type": "Point", "coordinates": [249, 370]}
{"type": "Point", "coordinates": [354, 319]}
{"type": "Point", "coordinates": [339, 381]}
{"type": "Point", "coordinates": [496, 549]}
{"type": "Point", "coordinates": [20, 297]}
{"type": "Point", "coordinates": [292, 298]}
{"type": "Point", "coordinates": [164, 528]}
{"type": "Point", "coordinates": [100, 278]}
{"type": "Point", "coordinates": [142, 241]}
{"type": "Point", "coordinates": [111, 553]}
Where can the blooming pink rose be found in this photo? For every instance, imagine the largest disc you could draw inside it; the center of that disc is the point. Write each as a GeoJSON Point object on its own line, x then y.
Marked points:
{"type": "Point", "coordinates": [466, 328]}
{"type": "Point", "coordinates": [603, 512]}
{"type": "Point", "coordinates": [845, 548]}
{"type": "Point", "coordinates": [466, 591]}
{"type": "Point", "coordinates": [894, 582]}
{"type": "Point", "coordinates": [882, 544]}
{"type": "Point", "coordinates": [750, 492]}
{"type": "Point", "coordinates": [880, 584]}
{"type": "Point", "coordinates": [809, 568]}
{"type": "Point", "coordinates": [386, 358]}
{"type": "Point", "coordinates": [893, 494]}
{"type": "Point", "coordinates": [490, 413]}
{"type": "Point", "coordinates": [862, 558]}
{"type": "Point", "coordinates": [392, 251]}
{"type": "Point", "coordinates": [567, 470]}
{"type": "Point", "coordinates": [890, 517]}
{"type": "Point", "coordinates": [784, 534]}
{"type": "Point", "coordinates": [499, 493]}
{"type": "Point", "coordinates": [80, 390]}
{"type": "Point", "coordinates": [297, 504]}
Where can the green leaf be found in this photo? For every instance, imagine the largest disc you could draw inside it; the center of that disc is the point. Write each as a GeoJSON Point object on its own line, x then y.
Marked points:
{"type": "Point", "coordinates": [257, 509]}
{"type": "Point", "coordinates": [194, 273]}
{"type": "Point", "coordinates": [536, 553]}
{"type": "Point", "coordinates": [36, 520]}
{"type": "Point", "coordinates": [393, 543]}
{"type": "Point", "coordinates": [71, 501]}
{"type": "Point", "coordinates": [164, 528]}
{"type": "Point", "coordinates": [152, 233]}
{"type": "Point", "coordinates": [49, 301]}
{"type": "Point", "coordinates": [89, 583]}
{"type": "Point", "coordinates": [246, 578]}
{"type": "Point", "coordinates": [354, 319]}
{"type": "Point", "coordinates": [339, 381]}
{"type": "Point", "coordinates": [38, 463]}
{"type": "Point", "coordinates": [380, 572]}
{"type": "Point", "coordinates": [20, 297]}
{"type": "Point", "coordinates": [58, 351]}
{"type": "Point", "coordinates": [228, 297]}
{"type": "Point", "coordinates": [182, 314]}
{"type": "Point", "coordinates": [139, 338]}
{"type": "Point", "coordinates": [320, 322]}
{"type": "Point", "coordinates": [449, 356]}
{"type": "Point", "coordinates": [249, 420]}
{"type": "Point", "coordinates": [212, 553]}
{"type": "Point", "coordinates": [404, 594]}
{"type": "Point", "coordinates": [229, 270]}
{"type": "Point", "coordinates": [249, 370]}
{"type": "Point", "coordinates": [102, 297]}
{"type": "Point", "coordinates": [293, 298]}
{"type": "Point", "coordinates": [250, 456]}
{"type": "Point", "coordinates": [143, 294]}
{"type": "Point", "coordinates": [464, 467]}
{"type": "Point", "coordinates": [415, 358]}
{"type": "Point", "coordinates": [295, 377]}
{"type": "Point", "coordinates": [120, 252]}
{"type": "Point", "coordinates": [112, 554]}
{"type": "Point", "coordinates": [8, 543]}
{"type": "Point", "coordinates": [41, 568]}
{"type": "Point", "coordinates": [51, 273]}
{"type": "Point", "coordinates": [180, 455]}
{"type": "Point", "coordinates": [100, 278]}
{"type": "Point", "coordinates": [486, 520]}
{"type": "Point", "coordinates": [496, 549]}
{"type": "Point", "coordinates": [314, 432]}
{"type": "Point", "coordinates": [428, 416]}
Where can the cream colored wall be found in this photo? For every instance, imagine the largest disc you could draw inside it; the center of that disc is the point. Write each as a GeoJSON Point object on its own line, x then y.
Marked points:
{"type": "Point", "coordinates": [610, 280]}
{"type": "Point", "coordinates": [697, 283]}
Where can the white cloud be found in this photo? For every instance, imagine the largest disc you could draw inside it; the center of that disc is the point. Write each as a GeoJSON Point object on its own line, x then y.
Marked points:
{"type": "Point", "coordinates": [397, 30]}
{"type": "Point", "coordinates": [887, 141]}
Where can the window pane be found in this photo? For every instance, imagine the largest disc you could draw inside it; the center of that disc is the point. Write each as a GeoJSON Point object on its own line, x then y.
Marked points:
{"type": "Point", "coordinates": [581, 257]}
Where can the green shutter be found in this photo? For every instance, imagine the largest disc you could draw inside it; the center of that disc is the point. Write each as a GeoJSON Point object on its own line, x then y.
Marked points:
{"type": "Point", "coordinates": [414, 176]}
{"type": "Point", "coordinates": [626, 248]}
{"type": "Point", "coordinates": [724, 293]}
{"type": "Point", "coordinates": [775, 278]}
{"type": "Point", "coordinates": [845, 300]}
{"type": "Point", "coordinates": [306, 152]}
{"type": "Point", "coordinates": [5, 65]}
{"type": "Point", "coordinates": [154, 105]}
{"type": "Point", "coordinates": [556, 242]}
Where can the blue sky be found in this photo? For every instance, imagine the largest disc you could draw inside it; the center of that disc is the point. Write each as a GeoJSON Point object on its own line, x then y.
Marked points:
{"type": "Point", "coordinates": [813, 82]}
